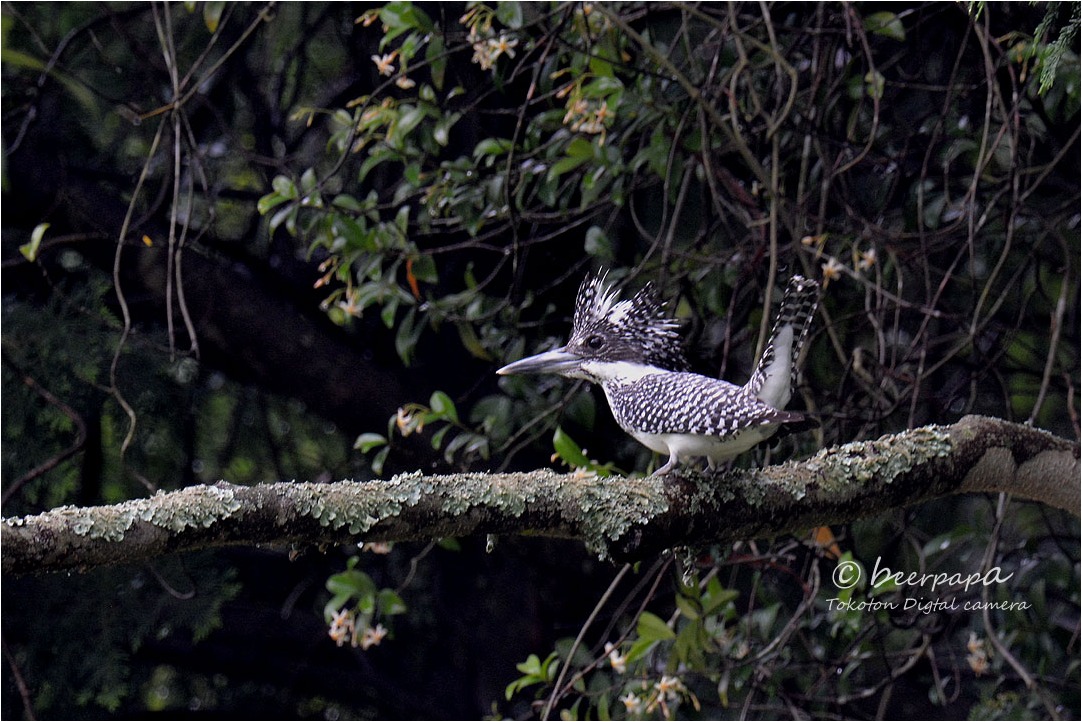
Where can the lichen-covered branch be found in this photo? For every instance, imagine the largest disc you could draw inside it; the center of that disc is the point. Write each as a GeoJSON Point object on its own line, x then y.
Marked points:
{"type": "Point", "coordinates": [623, 518]}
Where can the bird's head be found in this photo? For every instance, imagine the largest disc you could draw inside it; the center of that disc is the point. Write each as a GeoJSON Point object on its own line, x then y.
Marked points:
{"type": "Point", "coordinates": [611, 337]}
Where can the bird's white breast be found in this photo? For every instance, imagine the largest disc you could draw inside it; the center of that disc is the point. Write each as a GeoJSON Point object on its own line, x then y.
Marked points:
{"type": "Point", "coordinates": [715, 448]}
{"type": "Point", "coordinates": [617, 372]}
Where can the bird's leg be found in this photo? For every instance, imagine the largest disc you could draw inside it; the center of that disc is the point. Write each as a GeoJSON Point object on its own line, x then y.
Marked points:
{"type": "Point", "coordinates": [722, 464]}
{"type": "Point", "coordinates": [669, 465]}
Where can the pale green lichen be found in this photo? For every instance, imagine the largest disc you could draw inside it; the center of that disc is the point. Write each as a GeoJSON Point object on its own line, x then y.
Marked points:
{"type": "Point", "coordinates": [508, 493]}
{"type": "Point", "coordinates": [195, 506]}
{"type": "Point", "coordinates": [603, 512]}
{"type": "Point", "coordinates": [357, 505]}
{"type": "Point", "coordinates": [882, 460]}
{"type": "Point", "coordinates": [749, 484]}
{"type": "Point", "coordinates": [200, 506]}
{"type": "Point", "coordinates": [455, 492]}
{"type": "Point", "coordinates": [608, 511]}
{"type": "Point", "coordinates": [109, 523]}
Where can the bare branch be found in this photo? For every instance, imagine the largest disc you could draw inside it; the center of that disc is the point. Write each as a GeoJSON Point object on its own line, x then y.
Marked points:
{"type": "Point", "coordinates": [622, 518]}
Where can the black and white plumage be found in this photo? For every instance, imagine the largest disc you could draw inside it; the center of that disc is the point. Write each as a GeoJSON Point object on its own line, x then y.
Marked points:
{"type": "Point", "coordinates": [632, 349]}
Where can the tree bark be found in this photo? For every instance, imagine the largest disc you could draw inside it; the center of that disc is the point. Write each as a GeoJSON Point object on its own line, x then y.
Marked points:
{"type": "Point", "coordinates": [625, 519]}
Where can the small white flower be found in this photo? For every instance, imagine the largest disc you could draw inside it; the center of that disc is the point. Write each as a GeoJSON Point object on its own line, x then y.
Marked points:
{"type": "Point", "coordinates": [502, 46]}
{"type": "Point", "coordinates": [406, 424]}
{"type": "Point", "coordinates": [632, 703]}
{"type": "Point", "coordinates": [617, 660]}
{"type": "Point", "coordinates": [373, 636]}
{"type": "Point", "coordinates": [483, 56]}
{"type": "Point", "coordinates": [832, 270]}
{"type": "Point", "coordinates": [341, 627]}
{"type": "Point", "coordinates": [384, 63]}
{"type": "Point", "coordinates": [351, 306]}
{"type": "Point", "coordinates": [377, 547]}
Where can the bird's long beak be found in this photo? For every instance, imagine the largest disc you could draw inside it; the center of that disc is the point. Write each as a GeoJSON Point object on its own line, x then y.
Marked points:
{"type": "Point", "coordinates": [558, 361]}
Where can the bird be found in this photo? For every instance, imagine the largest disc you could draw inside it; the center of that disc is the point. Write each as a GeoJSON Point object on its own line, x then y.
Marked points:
{"type": "Point", "coordinates": [632, 348]}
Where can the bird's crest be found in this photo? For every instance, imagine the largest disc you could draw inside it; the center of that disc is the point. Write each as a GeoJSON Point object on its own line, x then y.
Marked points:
{"type": "Point", "coordinates": [640, 324]}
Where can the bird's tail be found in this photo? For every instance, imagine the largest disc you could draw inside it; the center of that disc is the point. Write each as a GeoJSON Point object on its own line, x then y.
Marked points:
{"type": "Point", "coordinates": [775, 376]}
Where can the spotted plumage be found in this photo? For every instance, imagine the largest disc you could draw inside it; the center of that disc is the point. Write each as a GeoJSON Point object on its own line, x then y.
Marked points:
{"type": "Point", "coordinates": [632, 349]}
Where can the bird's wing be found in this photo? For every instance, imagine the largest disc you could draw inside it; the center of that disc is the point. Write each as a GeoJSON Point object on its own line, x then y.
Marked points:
{"type": "Point", "coordinates": [687, 403]}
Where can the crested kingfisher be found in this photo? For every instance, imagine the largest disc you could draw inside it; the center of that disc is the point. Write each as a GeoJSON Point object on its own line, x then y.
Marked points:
{"type": "Point", "coordinates": [633, 350]}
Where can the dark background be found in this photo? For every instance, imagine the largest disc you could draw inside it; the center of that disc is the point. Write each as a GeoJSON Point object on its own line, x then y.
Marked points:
{"type": "Point", "coordinates": [958, 172]}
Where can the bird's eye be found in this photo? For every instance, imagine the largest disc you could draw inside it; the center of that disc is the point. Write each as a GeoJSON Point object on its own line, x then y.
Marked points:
{"type": "Point", "coordinates": [594, 342]}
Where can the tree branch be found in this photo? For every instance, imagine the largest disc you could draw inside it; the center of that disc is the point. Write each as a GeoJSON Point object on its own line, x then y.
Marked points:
{"type": "Point", "coordinates": [622, 518]}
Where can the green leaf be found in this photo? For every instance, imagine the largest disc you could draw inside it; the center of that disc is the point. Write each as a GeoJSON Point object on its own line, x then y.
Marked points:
{"type": "Point", "coordinates": [601, 66]}
{"type": "Point", "coordinates": [688, 607]}
{"type": "Point", "coordinates": [886, 24]}
{"type": "Point", "coordinates": [334, 605]}
{"type": "Point", "coordinates": [380, 459]}
{"type": "Point", "coordinates": [477, 445]}
{"type": "Point", "coordinates": [651, 627]}
{"type": "Point", "coordinates": [284, 186]}
{"type": "Point", "coordinates": [402, 219]}
{"type": "Point", "coordinates": [580, 148]}
{"type": "Point", "coordinates": [424, 269]}
{"type": "Point", "coordinates": [374, 158]}
{"type": "Point", "coordinates": [268, 201]}
{"type": "Point", "coordinates": [454, 445]}
{"type": "Point", "coordinates": [390, 603]}
{"type": "Point", "coordinates": [441, 133]}
{"type": "Point", "coordinates": [437, 62]}
{"type": "Point", "coordinates": [449, 543]}
{"type": "Point", "coordinates": [471, 342]}
{"type": "Point", "coordinates": [356, 236]}
{"type": "Point", "coordinates": [598, 244]}
{"type": "Point", "coordinates": [309, 180]}
{"type": "Point", "coordinates": [400, 17]}
{"type": "Point", "coordinates": [352, 582]}
{"type": "Point", "coordinates": [347, 203]}
{"type": "Point", "coordinates": [442, 404]}
{"type": "Point", "coordinates": [437, 438]}
{"type": "Point", "coordinates": [19, 59]}
{"type": "Point", "coordinates": [603, 87]}
{"type": "Point", "coordinates": [532, 665]}
{"type": "Point", "coordinates": [603, 712]}
{"type": "Point", "coordinates": [410, 117]}
{"type": "Point", "coordinates": [212, 14]}
{"type": "Point", "coordinates": [405, 340]}
{"type": "Point", "coordinates": [405, 15]}
{"type": "Point", "coordinates": [30, 250]}
{"type": "Point", "coordinates": [874, 84]}
{"type": "Point", "coordinates": [639, 649]}
{"type": "Point", "coordinates": [388, 312]}
{"type": "Point", "coordinates": [368, 441]}
{"type": "Point", "coordinates": [408, 48]}
{"type": "Point", "coordinates": [509, 12]}
{"type": "Point", "coordinates": [564, 165]}
{"type": "Point", "coordinates": [286, 215]}
{"type": "Point", "coordinates": [492, 146]}
{"type": "Point", "coordinates": [568, 450]}
{"type": "Point", "coordinates": [715, 596]}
